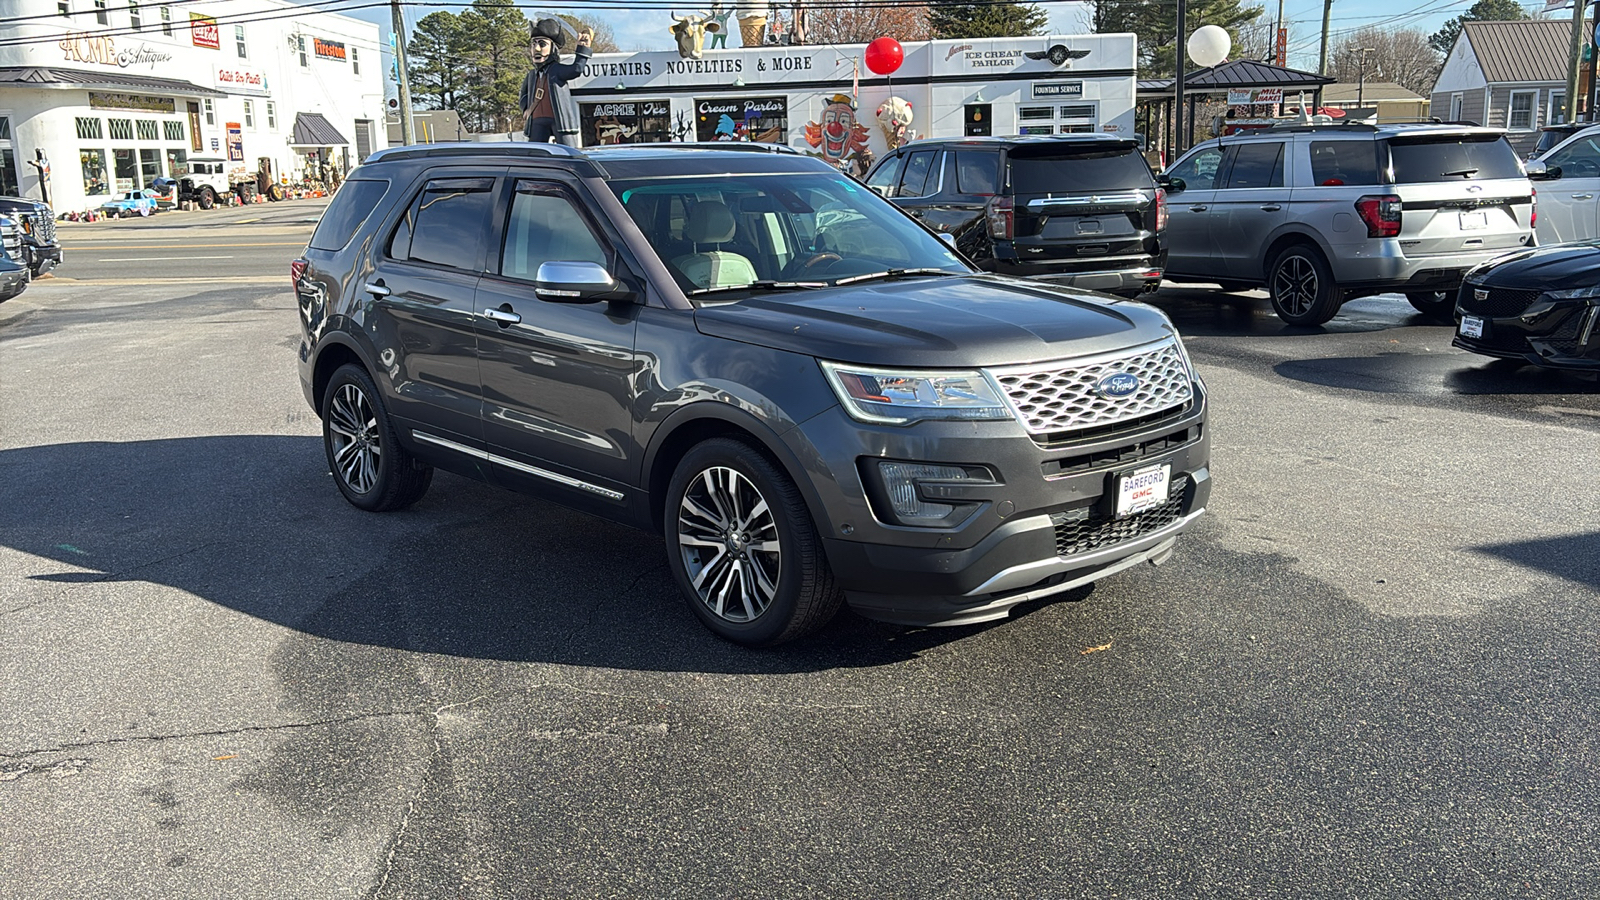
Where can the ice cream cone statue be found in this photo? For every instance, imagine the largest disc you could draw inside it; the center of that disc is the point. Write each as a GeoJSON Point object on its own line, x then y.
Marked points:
{"type": "Point", "coordinates": [894, 118]}
{"type": "Point", "coordinates": [752, 22]}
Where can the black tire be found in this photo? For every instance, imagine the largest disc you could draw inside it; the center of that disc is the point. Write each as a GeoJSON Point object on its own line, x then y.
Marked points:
{"type": "Point", "coordinates": [208, 197]}
{"type": "Point", "coordinates": [275, 193]}
{"type": "Point", "coordinates": [774, 560]}
{"type": "Point", "coordinates": [1302, 287]}
{"type": "Point", "coordinates": [1437, 305]}
{"type": "Point", "coordinates": [368, 464]}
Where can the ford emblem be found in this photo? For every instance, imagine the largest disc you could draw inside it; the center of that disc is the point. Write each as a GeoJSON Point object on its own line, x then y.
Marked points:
{"type": "Point", "coordinates": [1117, 384]}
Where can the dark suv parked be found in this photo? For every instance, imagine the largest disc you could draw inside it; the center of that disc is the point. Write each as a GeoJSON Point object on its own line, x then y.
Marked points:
{"type": "Point", "coordinates": [810, 396]}
{"type": "Point", "coordinates": [1076, 209]}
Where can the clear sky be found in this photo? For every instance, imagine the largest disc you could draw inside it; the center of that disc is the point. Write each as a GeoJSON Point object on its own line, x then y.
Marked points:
{"type": "Point", "coordinates": [647, 29]}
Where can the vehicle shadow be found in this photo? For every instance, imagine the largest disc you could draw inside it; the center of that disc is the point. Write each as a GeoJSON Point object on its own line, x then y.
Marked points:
{"type": "Point", "coordinates": [1202, 310]}
{"type": "Point", "coordinates": [255, 524]}
{"type": "Point", "coordinates": [1434, 373]}
{"type": "Point", "coordinates": [1570, 557]}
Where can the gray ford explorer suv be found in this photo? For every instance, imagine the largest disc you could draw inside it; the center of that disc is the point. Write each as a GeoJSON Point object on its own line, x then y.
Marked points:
{"type": "Point", "coordinates": [810, 396]}
{"type": "Point", "coordinates": [1321, 214]}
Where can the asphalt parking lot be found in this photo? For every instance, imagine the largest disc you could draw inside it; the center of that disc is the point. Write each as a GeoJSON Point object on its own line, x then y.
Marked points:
{"type": "Point", "coordinates": [1372, 671]}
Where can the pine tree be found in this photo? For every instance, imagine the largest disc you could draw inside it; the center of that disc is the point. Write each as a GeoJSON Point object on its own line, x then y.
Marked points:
{"type": "Point", "coordinates": [985, 20]}
{"type": "Point", "coordinates": [497, 34]}
{"type": "Point", "coordinates": [432, 57]}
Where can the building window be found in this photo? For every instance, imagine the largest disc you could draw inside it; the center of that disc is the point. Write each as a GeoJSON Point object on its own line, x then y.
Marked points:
{"type": "Point", "coordinates": [177, 163]}
{"type": "Point", "coordinates": [64, 8]}
{"type": "Point", "coordinates": [148, 130]}
{"type": "Point", "coordinates": [211, 113]}
{"type": "Point", "coordinates": [1557, 114]}
{"type": "Point", "coordinates": [8, 173]}
{"type": "Point", "coordinates": [355, 62]}
{"type": "Point", "coordinates": [166, 21]}
{"type": "Point", "coordinates": [238, 39]}
{"type": "Point", "coordinates": [272, 116]}
{"type": "Point", "coordinates": [125, 169]}
{"type": "Point", "coordinates": [1520, 115]}
{"type": "Point", "coordinates": [249, 114]}
{"type": "Point", "coordinates": [300, 42]}
{"type": "Point", "coordinates": [100, 14]}
{"type": "Point", "coordinates": [1456, 100]}
{"type": "Point", "coordinates": [173, 129]}
{"type": "Point", "coordinates": [120, 129]}
{"type": "Point", "coordinates": [94, 170]}
{"type": "Point", "coordinates": [5, 128]}
{"type": "Point", "coordinates": [89, 129]}
{"type": "Point", "coordinates": [134, 17]}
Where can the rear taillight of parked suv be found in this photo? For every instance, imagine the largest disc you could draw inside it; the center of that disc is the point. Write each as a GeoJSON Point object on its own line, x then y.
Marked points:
{"type": "Point", "coordinates": [297, 270]}
{"type": "Point", "coordinates": [1001, 216]}
{"type": "Point", "coordinates": [1381, 213]}
{"type": "Point", "coordinates": [1161, 209]}
{"type": "Point", "coordinates": [1533, 214]}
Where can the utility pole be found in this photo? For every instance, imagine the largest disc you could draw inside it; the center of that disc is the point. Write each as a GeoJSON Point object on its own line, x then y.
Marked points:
{"type": "Point", "coordinates": [1177, 83]}
{"type": "Point", "coordinates": [1327, 16]}
{"type": "Point", "coordinates": [1577, 60]}
{"type": "Point", "coordinates": [403, 79]}
{"type": "Point", "coordinates": [1361, 54]}
{"type": "Point", "coordinates": [1280, 54]}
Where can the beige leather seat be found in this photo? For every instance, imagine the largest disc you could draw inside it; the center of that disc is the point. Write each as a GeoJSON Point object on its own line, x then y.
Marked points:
{"type": "Point", "coordinates": [711, 222]}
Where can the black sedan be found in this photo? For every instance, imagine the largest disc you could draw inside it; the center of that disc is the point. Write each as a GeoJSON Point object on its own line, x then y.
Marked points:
{"type": "Point", "coordinates": [1540, 306]}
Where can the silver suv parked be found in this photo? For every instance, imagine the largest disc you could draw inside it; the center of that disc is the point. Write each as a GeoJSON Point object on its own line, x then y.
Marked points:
{"type": "Point", "coordinates": [1321, 214]}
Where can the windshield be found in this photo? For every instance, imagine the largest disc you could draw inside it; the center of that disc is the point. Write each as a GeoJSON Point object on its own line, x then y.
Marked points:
{"type": "Point", "coordinates": [1453, 158]}
{"type": "Point", "coordinates": [773, 229]}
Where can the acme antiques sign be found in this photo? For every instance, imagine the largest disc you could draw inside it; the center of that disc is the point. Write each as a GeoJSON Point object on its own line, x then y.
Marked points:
{"type": "Point", "coordinates": [103, 50]}
{"type": "Point", "coordinates": [105, 100]}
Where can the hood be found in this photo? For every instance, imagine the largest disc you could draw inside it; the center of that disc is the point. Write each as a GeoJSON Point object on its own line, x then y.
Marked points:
{"type": "Point", "coordinates": [936, 322]}
{"type": "Point", "coordinates": [1543, 268]}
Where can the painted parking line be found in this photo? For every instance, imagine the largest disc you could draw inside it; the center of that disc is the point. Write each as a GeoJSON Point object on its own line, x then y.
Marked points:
{"type": "Point", "coordinates": [160, 258]}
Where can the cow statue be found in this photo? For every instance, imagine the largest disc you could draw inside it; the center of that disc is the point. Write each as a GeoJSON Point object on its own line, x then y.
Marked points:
{"type": "Point", "coordinates": [690, 33]}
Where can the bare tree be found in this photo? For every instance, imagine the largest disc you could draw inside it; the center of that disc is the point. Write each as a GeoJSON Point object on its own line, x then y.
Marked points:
{"type": "Point", "coordinates": [1400, 55]}
{"type": "Point", "coordinates": [1256, 41]}
{"type": "Point", "coordinates": [853, 23]}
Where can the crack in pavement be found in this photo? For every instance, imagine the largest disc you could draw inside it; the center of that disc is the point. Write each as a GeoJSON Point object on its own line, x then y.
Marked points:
{"type": "Point", "coordinates": [248, 729]}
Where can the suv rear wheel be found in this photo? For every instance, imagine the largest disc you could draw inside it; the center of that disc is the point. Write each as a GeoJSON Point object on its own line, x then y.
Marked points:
{"type": "Point", "coordinates": [370, 467]}
{"type": "Point", "coordinates": [742, 548]}
{"type": "Point", "coordinates": [1437, 305]}
{"type": "Point", "coordinates": [1301, 285]}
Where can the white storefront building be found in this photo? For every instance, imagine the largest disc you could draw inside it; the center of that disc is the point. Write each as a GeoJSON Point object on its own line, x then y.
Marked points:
{"type": "Point", "coordinates": [789, 94]}
{"type": "Point", "coordinates": [107, 95]}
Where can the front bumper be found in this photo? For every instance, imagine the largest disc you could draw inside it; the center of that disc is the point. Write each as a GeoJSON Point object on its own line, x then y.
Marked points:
{"type": "Point", "coordinates": [1563, 334]}
{"type": "Point", "coordinates": [1044, 526]}
{"type": "Point", "coordinates": [43, 257]}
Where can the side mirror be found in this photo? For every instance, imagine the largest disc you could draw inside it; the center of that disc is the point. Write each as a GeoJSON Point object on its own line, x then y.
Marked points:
{"type": "Point", "coordinates": [573, 281]}
{"type": "Point", "coordinates": [1173, 185]}
{"type": "Point", "coordinates": [1539, 171]}
{"type": "Point", "coordinates": [948, 238]}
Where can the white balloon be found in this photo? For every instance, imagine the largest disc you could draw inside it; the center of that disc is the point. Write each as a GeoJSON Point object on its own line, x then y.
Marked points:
{"type": "Point", "coordinates": [1209, 45]}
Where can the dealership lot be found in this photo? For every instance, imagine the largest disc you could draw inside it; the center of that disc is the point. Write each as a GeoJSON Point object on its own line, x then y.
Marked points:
{"type": "Point", "coordinates": [1371, 671]}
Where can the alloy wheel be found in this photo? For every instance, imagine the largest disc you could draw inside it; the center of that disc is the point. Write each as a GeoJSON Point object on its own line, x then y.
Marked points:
{"type": "Point", "coordinates": [728, 536]}
{"type": "Point", "coordinates": [353, 430]}
{"type": "Point", "coordinates": [1295, 285]}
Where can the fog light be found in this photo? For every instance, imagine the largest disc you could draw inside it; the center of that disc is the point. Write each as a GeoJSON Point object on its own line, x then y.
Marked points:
{"type": "Point", "coordinates": [900, 481]}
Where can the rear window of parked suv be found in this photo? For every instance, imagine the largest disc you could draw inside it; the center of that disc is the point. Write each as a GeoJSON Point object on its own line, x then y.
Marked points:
{"type": "Point", "coordinates": [1063, 170]}
{"type": "Point", "coordinates": [350, 207]}
{"type": "Point", "coordinates": [1453, 158]}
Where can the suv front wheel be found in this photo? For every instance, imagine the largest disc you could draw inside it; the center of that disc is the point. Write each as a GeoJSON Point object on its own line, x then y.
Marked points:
{"type": "Point", "coordinates": [1301, 285]}
{"type": "Point", "coordinates": [1437, 305]}
{"type": "Point", "coordinates": [368, 464]}
{"type": "Point", "coordinates": [742, 547]}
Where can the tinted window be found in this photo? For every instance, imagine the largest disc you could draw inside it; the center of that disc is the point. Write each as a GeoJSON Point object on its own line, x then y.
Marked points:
{"type": "Point", "coordinates": [1472, 158]}
{"type": "Point", "coordinates": [545, 226]}
{"type": "Point", "coordinates": [1257, 166]}
{"type": "Point", "coordinates": [886, 175]}
{"type": "Point", "coordinates": [1580, 159]}
{"type": "Point", "coordinates": [349, 209]}
{"type": "Point", "coordinates": [1334, 163]}
{"type": "Point", "coordinates": [1200, 170]}
{"type": "Point", "coordinates": [915, 182]}
{"type": "Point", "coordinates": [1062, 170]}
{"type": "Point", "coordinates": [977, 172]}
{"type": "Point", "coordinates": [445, 224]}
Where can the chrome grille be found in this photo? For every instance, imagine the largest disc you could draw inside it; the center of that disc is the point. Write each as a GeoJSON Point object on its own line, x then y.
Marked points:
{"type": "Point", "coordinates": [44, 226]}
{"type": "Point", "coordinates": [1079, 532]}
{"type": "Point", "coordinates": [1066, 396]}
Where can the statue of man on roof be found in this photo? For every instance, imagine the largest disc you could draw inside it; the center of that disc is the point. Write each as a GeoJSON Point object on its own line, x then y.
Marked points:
{"type": "Point", "coordinates": [548, 112]}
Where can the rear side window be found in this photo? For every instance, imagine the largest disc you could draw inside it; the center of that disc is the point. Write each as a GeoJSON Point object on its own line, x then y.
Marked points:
{"type": "Point", "coordinates": [1455, 158]}
{"type": "Point", "coordinates": [344, 216]}
{"type": "Point", "coordinates": [1064, 171]}
{"type": "Point", "coordinates": [977, 172]}
{"type": "Point", "coordinates": [446, 223]}
{"type": "Point", "coordinates": [918, 167]}
{"type": "Point", "coordinates": [1257, 166]}
{"type": "Point", "coordinates": [1335, 163]}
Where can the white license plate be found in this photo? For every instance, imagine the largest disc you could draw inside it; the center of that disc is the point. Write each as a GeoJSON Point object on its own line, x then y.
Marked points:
{"type": "Point", "coordinates": [1143, 489]}
{"type": "Point", "coordinates": [1474, 220]}
{"type": "Point", "coordinates": [1471, 326]}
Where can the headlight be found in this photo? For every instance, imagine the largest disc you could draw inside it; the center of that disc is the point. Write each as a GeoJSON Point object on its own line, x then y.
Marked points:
{"type": "Point", "coordinates": [1583, 293]}
{"type": "Point", "coordinates": [898, 397]}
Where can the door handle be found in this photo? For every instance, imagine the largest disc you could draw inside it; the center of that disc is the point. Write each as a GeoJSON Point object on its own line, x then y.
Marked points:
{"type": "Point", "coordinates": [1198, 208]}
{"type": "Point", "coordinates": [1583, 196]}
{"type": "Point", "coordinates": [502, 316]}
{"type": "Point", "coordinates": [377, 289]}
{"type": "Point", "coordinates": [1270, 207]}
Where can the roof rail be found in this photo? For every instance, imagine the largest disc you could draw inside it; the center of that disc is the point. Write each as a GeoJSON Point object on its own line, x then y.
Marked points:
{"type": "Point", "coordinates": [477, 148]}
{"type": "Point", "coordinates": [1307, 126]}
{"type": "Point", "coordinates": [745, 146]}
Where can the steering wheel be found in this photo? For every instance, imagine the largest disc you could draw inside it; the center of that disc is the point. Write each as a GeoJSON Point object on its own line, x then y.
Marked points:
{"type": "Point", "coordinates": [801, 266]}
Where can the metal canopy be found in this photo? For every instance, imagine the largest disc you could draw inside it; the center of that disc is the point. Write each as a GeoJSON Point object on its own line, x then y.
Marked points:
{"type": "Point", "coordinates": [51, 76]}
{"type": "Point", "coordinates": [312, 130]}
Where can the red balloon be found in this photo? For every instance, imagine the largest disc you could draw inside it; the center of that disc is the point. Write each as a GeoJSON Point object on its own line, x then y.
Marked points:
{"type": "Point", "coordinates": [885, 55]}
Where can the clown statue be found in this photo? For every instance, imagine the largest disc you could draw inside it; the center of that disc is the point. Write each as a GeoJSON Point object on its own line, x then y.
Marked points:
{"type": "Point", "coordinates": [548, 113]}
{"type": "Point", "coordinates": [839, 136]}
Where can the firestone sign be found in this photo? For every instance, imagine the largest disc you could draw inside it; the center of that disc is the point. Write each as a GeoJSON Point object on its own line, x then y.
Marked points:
{"type": "Point", "coordinates": [328, 49]}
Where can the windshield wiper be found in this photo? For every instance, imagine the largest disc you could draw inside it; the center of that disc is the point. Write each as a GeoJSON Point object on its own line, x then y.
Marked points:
{"type": "Point", "coordinates": [1465, 173]}
{"type": "Point", "coordinates": [765, 284]}
{"type": "Point", "coordinates": [896, 273]}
